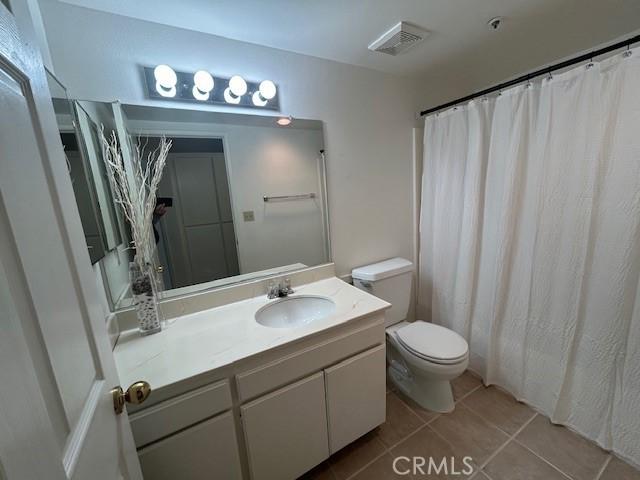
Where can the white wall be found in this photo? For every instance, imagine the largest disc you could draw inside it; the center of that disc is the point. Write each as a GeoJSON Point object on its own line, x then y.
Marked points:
{"type": "Point", "coordinates": [368, 116]}
{"type": "Point", "coordinates": [275, 161]}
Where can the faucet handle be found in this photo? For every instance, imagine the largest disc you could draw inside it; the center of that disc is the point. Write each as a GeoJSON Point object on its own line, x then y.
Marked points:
{"type": "Point", "coordinates": [287, 286]}
{"type": "Point", "coordinates": [272, 289]}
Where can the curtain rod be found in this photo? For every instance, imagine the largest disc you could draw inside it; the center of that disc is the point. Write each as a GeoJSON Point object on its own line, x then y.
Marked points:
{"type": "Point", "coordinates": [537, 73]}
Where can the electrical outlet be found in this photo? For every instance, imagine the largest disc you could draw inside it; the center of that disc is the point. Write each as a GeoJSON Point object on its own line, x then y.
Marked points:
{"type": "Point", "coordinates": [248, 216]}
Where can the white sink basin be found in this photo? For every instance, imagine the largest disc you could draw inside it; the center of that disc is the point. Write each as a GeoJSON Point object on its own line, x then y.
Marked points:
{"type": "Point", "coordinates": [295, 311]}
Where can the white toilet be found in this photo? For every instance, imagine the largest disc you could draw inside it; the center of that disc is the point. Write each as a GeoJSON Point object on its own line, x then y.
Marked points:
{"type": "Point", "coordinates": [422, 357]}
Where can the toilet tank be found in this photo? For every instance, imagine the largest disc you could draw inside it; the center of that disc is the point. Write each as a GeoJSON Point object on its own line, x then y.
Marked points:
{"type": "Point", "coordinates": [389, 280]}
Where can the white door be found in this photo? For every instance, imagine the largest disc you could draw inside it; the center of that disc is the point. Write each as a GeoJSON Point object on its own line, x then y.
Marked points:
{"type": "Point", "coordinates": [198, 234]}
{"type": "Point", "coordinates": [56, 366]}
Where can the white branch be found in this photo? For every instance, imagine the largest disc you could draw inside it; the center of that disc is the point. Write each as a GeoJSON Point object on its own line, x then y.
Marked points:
{"type": "Point", "coordinates": [135, 190]}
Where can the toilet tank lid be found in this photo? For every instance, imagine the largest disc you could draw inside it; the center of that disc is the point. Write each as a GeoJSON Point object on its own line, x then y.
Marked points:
{"type": "Point", "coordinates": [381, 270]}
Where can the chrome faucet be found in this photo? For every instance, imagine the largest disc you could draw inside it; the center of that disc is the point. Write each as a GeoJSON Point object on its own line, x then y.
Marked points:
{"type": "Point", "coordinates": [279, 289]}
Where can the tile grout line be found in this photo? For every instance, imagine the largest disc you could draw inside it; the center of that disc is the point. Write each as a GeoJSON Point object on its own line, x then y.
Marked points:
{"type": "Point", "coordinates": [512, 438]}
{"type": "Point", "coordinates": [494, 425]}
{"type": "Point", "coordinates": [542, 458]}
{"type": "Point", "coordinates": [425, 423]}
{"type": "Point", "coordinates": [384, 452]}
{"type": "Point", "coordinates": [604, 467]}
{"type": "Point", "coordinates": [509, 439]}
{"type": "Point", "coordinates": [469, 393]}
{"type": "Point", "coordinates": [387, 450]}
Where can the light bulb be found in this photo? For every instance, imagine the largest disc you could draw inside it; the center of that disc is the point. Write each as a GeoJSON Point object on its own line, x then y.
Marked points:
{"type": "Point", "coordinates": [267, 89]}
{"type": "Point", "coordinates": [166, 92]}
{"type": "Point", "coordinates": [229, 97]}
{"type": "Point", "coordinates": [284, 121]}
{"type": "Point", "coordinates": [203, 81]}
{"type": "Point", "coordinates": [237, 85]}
{"type": "Point", "coordinates": [258, 100]}
{"type": "Point", "coordinates": [199, 95]}
{"type": "Point", "coordinates": [165, 76]}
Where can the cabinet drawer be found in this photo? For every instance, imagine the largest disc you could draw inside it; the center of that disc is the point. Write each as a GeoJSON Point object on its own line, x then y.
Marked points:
{"type": "Point", "coordinates": [356, 397]}
{"type": "Point", "coordinates": [205, 451]}
{"type": "Point", "coordinates": [168, 417]}
{"type": "Point", "coordinates": [305, 362]}
{"type": "Point", "coordinates": [286, 431]}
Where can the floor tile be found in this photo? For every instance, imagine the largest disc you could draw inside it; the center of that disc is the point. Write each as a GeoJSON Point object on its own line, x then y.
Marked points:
{"type": "Point", "coordinates": [401, 421]}
{"type": "Point", "coordinates": [514, 462]}
{"type": "Point", "coordinates": [499, 408]}
{"type": "Point", "coordinates": [480, 475]}
{"type": "Point", "coordinates": [381, 469]}
{"type": "Point", "coordinates": [464, 384]}
{"type": "Point", "coordinates": [321, 472]}
{"type": "Point", "coordinates": [426, 415]}
{"type": "Point", "coordinates": [620, 470]}
{"type": "Point", "coordinates": [427, 444]}
{"type": "Point", "coordinates": [574, 455]}
{"type": "Point", "coordinates": [356, 455]}
{"type": "Point", "coordinates": [469, 434]}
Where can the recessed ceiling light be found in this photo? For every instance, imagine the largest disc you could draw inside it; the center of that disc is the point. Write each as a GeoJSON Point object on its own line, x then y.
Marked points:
{"type": "Point", "coordinates": [284, 121]}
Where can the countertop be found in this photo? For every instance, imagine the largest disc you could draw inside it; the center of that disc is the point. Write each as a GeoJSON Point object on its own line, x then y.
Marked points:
{"type": "Point", "coordinates": [204, 341]}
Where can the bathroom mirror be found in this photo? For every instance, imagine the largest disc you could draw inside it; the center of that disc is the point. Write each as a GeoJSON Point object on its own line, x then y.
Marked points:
{"type": "Point", "coordinates": [82, 178]}
{"type": "Point", "coordinates": [242, 196]}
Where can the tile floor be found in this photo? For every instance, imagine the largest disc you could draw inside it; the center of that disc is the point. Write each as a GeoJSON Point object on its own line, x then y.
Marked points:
{"type": "Point", "coordinates": [507, 440]}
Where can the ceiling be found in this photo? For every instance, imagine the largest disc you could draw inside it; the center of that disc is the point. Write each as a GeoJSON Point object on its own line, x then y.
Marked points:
{"type": "Point", "coordinates": [533, 33]}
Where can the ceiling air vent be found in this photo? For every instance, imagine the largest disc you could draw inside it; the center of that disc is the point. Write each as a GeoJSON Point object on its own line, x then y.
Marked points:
{"type": "Point", "coordinates": [399, 39]}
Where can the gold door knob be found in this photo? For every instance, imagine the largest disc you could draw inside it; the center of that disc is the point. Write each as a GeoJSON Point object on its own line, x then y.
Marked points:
{"type": "Point", "coordinates": [136, 394]}
{"type": "Point", "coordinates": [159, 269]}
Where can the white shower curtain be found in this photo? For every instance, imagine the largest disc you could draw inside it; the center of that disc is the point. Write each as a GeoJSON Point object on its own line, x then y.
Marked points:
{"type": "Point", "coordinates": [530, 243]}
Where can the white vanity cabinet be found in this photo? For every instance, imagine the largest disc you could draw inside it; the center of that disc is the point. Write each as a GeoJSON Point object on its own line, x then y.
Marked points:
{"type": "Point", "coordinates": [208, 450]}
{"type": "Point", "coordinates": [286, 431]}
{"type": "Point", "coordinates": [277, 415]}
{"type": "Point", "coordinates": [356, 394]}
{"type": "Point", "coordinates": [190, 437]}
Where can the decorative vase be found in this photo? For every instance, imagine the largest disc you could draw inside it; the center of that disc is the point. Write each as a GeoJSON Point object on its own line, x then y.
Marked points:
{"type": "Point", "coordinates": [144, 299]}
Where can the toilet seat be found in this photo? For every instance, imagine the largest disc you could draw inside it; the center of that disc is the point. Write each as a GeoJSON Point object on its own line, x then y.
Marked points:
{"type": "Point", "coordinates": [433, 343]}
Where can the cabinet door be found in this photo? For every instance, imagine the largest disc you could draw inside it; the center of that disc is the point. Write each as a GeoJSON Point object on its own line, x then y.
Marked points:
{"type": "Point", "coordinates": [286, 431]}
{"type": "Point", "coordinates": [208, 451]}
{"type": "Point", "coordinates": [356, 396]}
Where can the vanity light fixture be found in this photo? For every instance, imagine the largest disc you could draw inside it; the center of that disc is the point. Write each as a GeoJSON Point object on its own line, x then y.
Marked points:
{"type": "Point", "coordinates": [202, 84]}
{"type": "Point", "coordinates": [284, 121]}
{"type": "Point", "coordinates": [266, 91]}
{"type": "Point", "coordinates": [166, 80]}
{"type": "Point", "coordinates": [164, 83]}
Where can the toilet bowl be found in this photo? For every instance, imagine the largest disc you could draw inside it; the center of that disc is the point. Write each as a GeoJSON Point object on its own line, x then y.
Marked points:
{"type": "Point", "coordinates": [422, 357]}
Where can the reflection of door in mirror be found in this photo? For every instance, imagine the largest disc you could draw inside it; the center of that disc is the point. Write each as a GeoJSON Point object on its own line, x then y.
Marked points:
{"type": "Point", "coordinates": [196, 235]}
